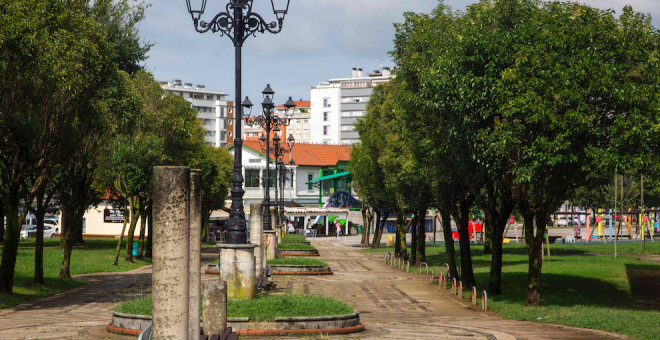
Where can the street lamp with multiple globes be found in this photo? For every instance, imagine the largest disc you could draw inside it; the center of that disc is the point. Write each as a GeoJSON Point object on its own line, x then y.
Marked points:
{"type": "Point", "coordinates": [278, 153]}
{"type": "Point", "coordinates": [269, 121]}
{"type": "Point", "coordinates": [238, 22]}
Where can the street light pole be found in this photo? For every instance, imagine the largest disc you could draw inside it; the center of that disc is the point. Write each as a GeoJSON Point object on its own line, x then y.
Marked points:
{"type": "Point", "coordinates": [237, 27]}
{"type": "Point", "coordinates": [268, 120]}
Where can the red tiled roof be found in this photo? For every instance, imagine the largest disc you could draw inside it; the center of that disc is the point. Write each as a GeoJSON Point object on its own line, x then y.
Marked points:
{"type": "Point", "coordinates": [299, 103]}
{"type": "Point", "coordinates": [311, 154]}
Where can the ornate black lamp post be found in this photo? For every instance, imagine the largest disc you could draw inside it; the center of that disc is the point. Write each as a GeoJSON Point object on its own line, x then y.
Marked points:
{"type": "Point", "coordinates": [269, 121]}
{"type": "Point", "coordinates": [238, 22]}
{"type": "Point", "coordinates": [278, 153]}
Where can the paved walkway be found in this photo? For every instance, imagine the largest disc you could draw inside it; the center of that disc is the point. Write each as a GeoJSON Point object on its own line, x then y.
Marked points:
{"type": "Point", "coordinates": [392, 304]}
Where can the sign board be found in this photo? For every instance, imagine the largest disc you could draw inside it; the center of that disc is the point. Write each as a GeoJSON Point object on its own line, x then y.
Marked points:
{"type": "Point", "coordinates": [113, 216]}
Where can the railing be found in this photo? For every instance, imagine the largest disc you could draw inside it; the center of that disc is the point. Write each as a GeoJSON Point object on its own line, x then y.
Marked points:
{"type": "Point", "coordinates": [146, 333]}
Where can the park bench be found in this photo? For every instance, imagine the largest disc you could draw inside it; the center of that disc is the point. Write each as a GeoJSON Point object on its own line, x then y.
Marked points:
{"type": "Point", "coordinates": [226, 335]}
{"type": "Point", "coordinates": [262, 282]}
{"type": "Point", "coordinates": [553, 239]}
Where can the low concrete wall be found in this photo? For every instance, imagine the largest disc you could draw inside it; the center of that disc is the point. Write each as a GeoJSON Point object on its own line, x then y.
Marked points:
{"type": "Point", "coordinates": [130, 321]}
{"type": "Point", "coordinates": [300, 270]}
{"type": "Point", "coordinates": [299, 252]}
{"type": "Point", "coordinates": [339, 323]}
{"type": "Point", "coordinates": [297, 242]}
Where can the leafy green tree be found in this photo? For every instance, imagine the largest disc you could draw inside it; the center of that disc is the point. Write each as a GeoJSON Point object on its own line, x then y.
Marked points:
{"type": "Point", "coordinates": [216, 165]}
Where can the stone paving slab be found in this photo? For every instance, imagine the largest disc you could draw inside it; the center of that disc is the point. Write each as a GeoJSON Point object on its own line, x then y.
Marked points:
{"type": "Point", "coordinates": [392, 304]}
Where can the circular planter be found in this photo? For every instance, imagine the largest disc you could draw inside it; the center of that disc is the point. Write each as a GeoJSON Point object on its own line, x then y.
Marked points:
{"type": "Point", "coordinates": [131, 324]}
{"type": "Point", "coordinates": [281, 269]}
{"type": "Point", "coordinates": [299, 252]}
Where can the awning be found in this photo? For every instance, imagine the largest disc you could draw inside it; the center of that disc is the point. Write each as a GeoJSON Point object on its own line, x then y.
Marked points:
{"type": "Point", "coordinates": [333, 176]}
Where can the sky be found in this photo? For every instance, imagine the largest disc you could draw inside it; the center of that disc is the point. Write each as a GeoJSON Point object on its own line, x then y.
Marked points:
{"type": "Point", "coordinates": [320, 40]}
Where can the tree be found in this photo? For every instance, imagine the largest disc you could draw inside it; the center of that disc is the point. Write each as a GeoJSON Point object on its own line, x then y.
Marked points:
{"type": "Point", "coordinates": [215, 165]}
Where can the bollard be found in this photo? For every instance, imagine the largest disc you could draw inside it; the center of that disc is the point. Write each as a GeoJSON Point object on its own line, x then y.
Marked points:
{"type": "Point", "coordinates": [431, 278]}
{"type": "Point", "coordinates": [460, 288]}
{"type": "Point", "coordinates": [453, 285]}
{"type": "Point", "coordinates": [215, 307]}
{"type": "Point", "coordinates": [427, 268]}
{"type": "Point", "coordinates": [257, 237]}
{"type": "Point", "coordinates": [459, 271]}
{"type": "Point", "coordinates": [441, 281]}
{"type": "Point", "coordinates": [408, 267]}
{"type": "Point", "coordinates": [484, 300]}
{"type": "Point", "coordinates": [171, 232]}
{"type": "Point", "coordinates": [443, 268]}
{"type": "Point", "coordinates": [474, 295]}
{"type": "Point", "coordinates": [195, 257]}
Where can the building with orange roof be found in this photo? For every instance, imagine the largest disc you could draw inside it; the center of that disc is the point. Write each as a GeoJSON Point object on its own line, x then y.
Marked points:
{"type": "Point", "coordinates": [311, 161]}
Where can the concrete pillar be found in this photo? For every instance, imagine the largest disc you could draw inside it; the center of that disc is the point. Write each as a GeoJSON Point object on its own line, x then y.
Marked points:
{"type": "Point", "coordinates": [171, 209]}
{"type": "Point", "coordinates": [215, 307]}
{"type": "Point", "coordinates": [237, 268]}
{"type": "Point", "coordinates": [257, 236]}
{"type": "Point", "coordinates": [194, 269]}
{"type": "Point", "coordinates": [270, 243]}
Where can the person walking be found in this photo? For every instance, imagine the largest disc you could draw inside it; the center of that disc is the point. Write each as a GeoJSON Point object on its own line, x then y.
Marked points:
{"type": "Point", "coordinates": [338, 226]}
{"type": "Point", "coordinates": [290, 228]}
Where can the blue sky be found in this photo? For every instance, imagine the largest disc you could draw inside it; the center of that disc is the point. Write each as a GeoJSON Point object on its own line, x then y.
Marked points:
{"type": "Point", "coordinates": [321, 39]}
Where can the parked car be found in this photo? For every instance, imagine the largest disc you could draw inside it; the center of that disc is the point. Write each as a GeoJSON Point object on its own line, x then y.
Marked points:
{"type": "Point", "coordinates": [562, 222]}
{"type": "Point", "coordinates": [49, 232]}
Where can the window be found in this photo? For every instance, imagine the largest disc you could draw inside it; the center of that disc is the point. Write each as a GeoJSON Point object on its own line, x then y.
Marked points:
{"type": "Point", "coordinates": [209, 121]}
{"type": "Point", "coordinates": [354, 84]}
{"type": "Point", "coordinates": [230, 122]}
{"type": "Point", "coordinates": [197, 96]}
{"type": "Point", "coordinates": [310, 177]}
{"type": "Point", "coordinates": [325, 116]}
{"type": "Point", "coordinates": [325, 130]}
{"type": "Point", "coordinates": [223, 136]}
{"type": "Point", "coordinates": [210, 133]}
{"type": "Point", "coordinates": [255, 160]}
{"type": "Point", "coordinates": [229, 134]}
{"type": "Point", "coordinates": [326, 141]}
{"type": "Point", "coordinates": [326, 102]}
{"type": "Point", "coordinates": [209, 97]}
{"type": "Point", "coordinates": [305, 121]}
{"type": "Point", "coordinates": [251, 178]}
{"type": "Point", "coordinates": [298, 121]}
{"type": "Point", "coordinates": [347, 128]}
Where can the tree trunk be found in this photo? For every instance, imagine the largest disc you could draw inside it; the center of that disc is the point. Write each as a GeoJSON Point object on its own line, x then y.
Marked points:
{"type": "Point", "coordinates": [365, 237]}
{"type": "Point", "coordinates": [39, 243]}
{"type": "Point", "coordinates": [366, 229]}
{"type": "Point", "coordinates": [135, 207]}
{"type": "Point", "coordinates": [421, 236]}
{"type": "Point", "coordinates": [143, 228]}
{"type": "Point", "coordinates": [2, 218]}
{"type": "Point", "coordinates": [534, 248]}
{"type": "Point", "coordinates": [73, 220]}
{"type": "Point", "coordinates": [380, 224]}
{"type": "Point", "coordinates": [78, 236]}
{"type": "Point", "coordinates": [150, 228]}
{"type": "Point", "coordinates": [467, 274]}
{"type": "Point", "coordinates": [63, 219]}
{"type": "Point", "coordinates": [449, 243]}
{"type": "Point", "coordinates": [487, 230]}
{"type": "Point", "coordinates": [121, 236]}
{"type": "Point", "coordinates": [400, 248]}
{"type": "Point", "coordinates": [413, 239]}
{"type": "Point", "coordinates": [10, 245]}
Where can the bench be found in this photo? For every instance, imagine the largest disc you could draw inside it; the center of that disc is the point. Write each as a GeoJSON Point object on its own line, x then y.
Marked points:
{"type": "Point", "coordinates": [269, 271]}
{"type": "Point", "coordinates": [226, 335]}
{"type": "Point", "coordinates": [553, 239]}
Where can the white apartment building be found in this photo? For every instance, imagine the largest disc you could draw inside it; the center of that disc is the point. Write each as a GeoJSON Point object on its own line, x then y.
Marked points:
{"type": "Point", "coordinates": [211, 109]}
{"type": "Point", "coordinates": [300, 122]}
{"type": "Point", "coordinates": [336, 104]}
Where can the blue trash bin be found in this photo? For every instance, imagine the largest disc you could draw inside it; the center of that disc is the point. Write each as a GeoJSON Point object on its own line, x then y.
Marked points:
{"type": "Point", "coordinates": [135, 248]}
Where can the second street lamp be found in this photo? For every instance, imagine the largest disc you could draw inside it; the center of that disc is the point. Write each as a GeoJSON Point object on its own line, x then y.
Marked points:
{"type": "Point", "coordinates": [269, 121]}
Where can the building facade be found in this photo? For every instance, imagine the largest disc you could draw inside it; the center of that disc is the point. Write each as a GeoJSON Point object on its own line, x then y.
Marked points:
{"type": "Point", "coordinates": [212, 110]}
{"type": "Point", "coordinates": [300, 124]}
{"type": "Point", "coordinates": [338, 103]}
{"type": "Point", "coordinates": [311, 162]}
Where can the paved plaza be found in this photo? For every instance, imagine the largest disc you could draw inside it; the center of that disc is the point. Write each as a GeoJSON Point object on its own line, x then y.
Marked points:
{"type": "Point", "coordinates": [392, 304]}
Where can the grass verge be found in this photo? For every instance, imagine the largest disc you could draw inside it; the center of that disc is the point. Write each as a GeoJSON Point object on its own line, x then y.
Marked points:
{"type": "Point", "coordinates": [95, 255]}
{"type": "Point", "coordinates": [262, 307]}
{"type": "Point", "coordinates": [599, 292]}
{"type": "Point", "coordinates": [295, 246]}
{"type": "Point", "coordinates": [297, 262]}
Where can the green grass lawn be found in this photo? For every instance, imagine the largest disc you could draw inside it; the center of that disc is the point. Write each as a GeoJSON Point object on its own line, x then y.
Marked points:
{"type": "Point", "coordinates": [297, 262]}
{"type": "Point", "coordinates": [262, 307]}
{"type": "Point", "coordinates": [617, 295]}
{"type": "Point", "coordinates": [96, 255]}
{"type": "Point", "coordinates": [296, 246]}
